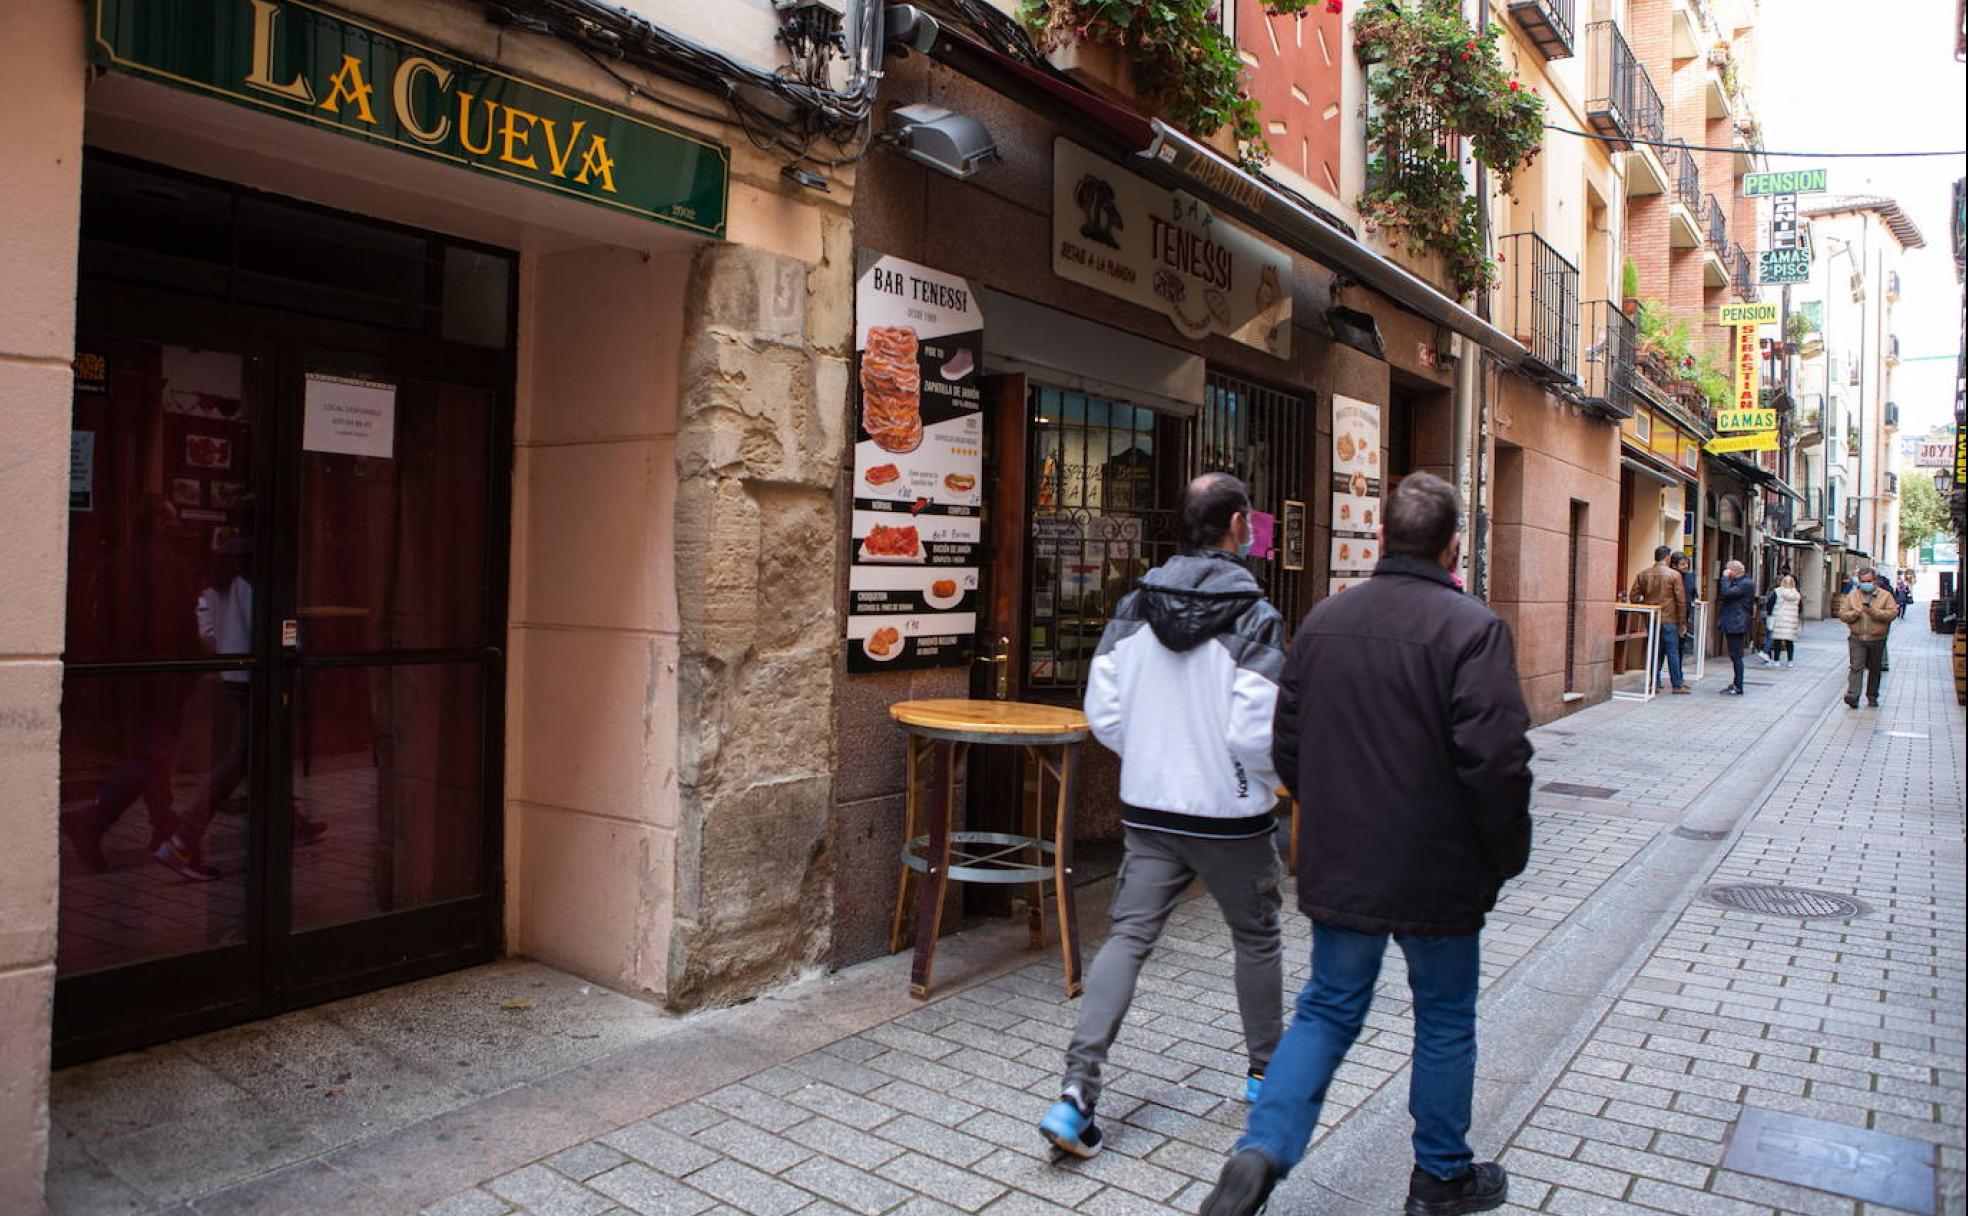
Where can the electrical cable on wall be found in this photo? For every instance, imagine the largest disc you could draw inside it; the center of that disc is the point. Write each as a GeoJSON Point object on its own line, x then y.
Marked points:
{"type": "Point", "coordinates": [1669, 143]}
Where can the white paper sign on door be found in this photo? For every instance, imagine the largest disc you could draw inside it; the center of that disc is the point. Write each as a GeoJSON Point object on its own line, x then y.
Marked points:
{"type": "Point", "coordinates": [349, 417]}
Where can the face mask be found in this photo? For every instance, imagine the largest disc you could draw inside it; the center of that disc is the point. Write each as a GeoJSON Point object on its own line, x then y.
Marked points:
{"type": "Point", "coordinates": [1249, 543]}
{"type": "Point", "coordinates": [1865, 588]}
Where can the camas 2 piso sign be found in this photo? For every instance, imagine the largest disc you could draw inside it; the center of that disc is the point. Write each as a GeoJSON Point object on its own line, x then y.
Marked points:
{"type": "Point", "coordinates": [303, 63]}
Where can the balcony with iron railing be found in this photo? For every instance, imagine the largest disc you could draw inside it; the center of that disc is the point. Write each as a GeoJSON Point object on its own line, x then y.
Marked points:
{"type": "Point", "coordinates": [1622, 103]}
{"type": "Point", "coordinates": [1892, 416]}
{"type": "Point", "coordinates": [1715, 253]}
{"type": "Point", "coordinates": [1891, 485]}
{"type": "Point", "coordinates": [1612, 343]}
{"type": "Point", "coordinates": [1684, 211]}
{"type": "Point", "coordinates": [1548, 24]}
{"type": "Point", "coordinates": [1742, 272]}
{"type": "Point", "coordinates": [1892, 349]}
{"type": "Point", "coordinates": [1692, 28]}
{"type": "Point", "coordinates": [1539, 303]}
{"type": "Point", "coordinates": [1892, 284]}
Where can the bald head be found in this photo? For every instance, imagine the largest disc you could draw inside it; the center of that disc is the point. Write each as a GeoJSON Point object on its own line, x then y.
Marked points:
{"type": "Point", "coordinates": [1209, 508]}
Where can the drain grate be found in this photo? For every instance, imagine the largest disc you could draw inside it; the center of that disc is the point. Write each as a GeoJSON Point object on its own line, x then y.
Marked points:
{"type": "Point", "coordinates": [1786, 901]}
{"type": "Point", "coordinates": [1577, 791]}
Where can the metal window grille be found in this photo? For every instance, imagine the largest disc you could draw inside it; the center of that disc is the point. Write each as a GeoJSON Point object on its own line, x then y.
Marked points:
{"type": "Point", "coordinates": [1540, 302]}
{"type": "Point", "coordinates": [1106, 483]}
{"type": "Point", "coordinates": [1715, 222]}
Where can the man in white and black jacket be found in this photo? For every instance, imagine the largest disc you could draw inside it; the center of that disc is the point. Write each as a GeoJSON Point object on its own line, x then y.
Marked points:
{"type": "Point", "coordinates": [1184, 687]}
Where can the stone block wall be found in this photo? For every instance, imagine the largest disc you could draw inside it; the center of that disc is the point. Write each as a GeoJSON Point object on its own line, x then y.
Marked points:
{"type": "Point", "coordinates": [762, 437]}
{"type": "Point", "coordinates": [41, 79]}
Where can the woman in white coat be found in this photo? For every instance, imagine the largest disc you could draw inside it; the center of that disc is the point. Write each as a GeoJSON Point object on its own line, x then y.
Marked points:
{"type": "Point", "coordinates": [1783, 622]}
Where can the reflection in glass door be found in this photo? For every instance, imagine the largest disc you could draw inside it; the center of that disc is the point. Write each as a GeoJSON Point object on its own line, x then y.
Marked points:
{"type": "Point", "coordinates": [156, 739]}
{"type": "Point", "coordinates": [391, 653]}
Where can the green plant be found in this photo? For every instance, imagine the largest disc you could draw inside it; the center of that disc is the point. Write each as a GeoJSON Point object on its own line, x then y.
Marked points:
{"type": "Point", "coordinates": [1798, 327]}
{"type": "Point", "coordinates": [1184, 65]}
{"type": "Point", "coordinates": [1714, 381]}
{"type": "Point", "coordinates": [1435, 77]}
{"type": "Point", "coordinates": [1923, 511]}
{"type": "Point", "coordinates": [1629, 280]}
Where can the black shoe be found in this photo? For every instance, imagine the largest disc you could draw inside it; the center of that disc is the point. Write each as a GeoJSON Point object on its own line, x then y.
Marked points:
{"type": "Point", "coordinates": [1851, 702]}
{"type": "Point", "coordinates": [1873, 702]}
{"type": "Point", "coordinates": [1481, 1187]}
{"type": "Point", "coordinates": [1243, 1186]}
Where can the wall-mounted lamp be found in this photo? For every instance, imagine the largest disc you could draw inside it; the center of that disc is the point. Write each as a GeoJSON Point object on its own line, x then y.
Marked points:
{"type": "Point", "coordinates": [1351, 327]}
{"type": "Point", "coordinates": [948, 142]}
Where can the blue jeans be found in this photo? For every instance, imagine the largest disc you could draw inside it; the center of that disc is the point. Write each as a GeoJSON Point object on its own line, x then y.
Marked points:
{"type": "Point", "coordinates": [1442, 975]}
{"type": "Point", "coordinates": [1670, 648]}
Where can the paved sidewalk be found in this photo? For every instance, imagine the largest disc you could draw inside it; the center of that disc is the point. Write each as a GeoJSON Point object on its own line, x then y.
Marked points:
{"type": "Point", "coordinates": [1628, 1024]}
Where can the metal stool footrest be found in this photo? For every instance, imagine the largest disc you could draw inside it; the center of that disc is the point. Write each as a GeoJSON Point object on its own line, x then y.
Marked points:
{"type": "Point", "coordinates": [985, 857]}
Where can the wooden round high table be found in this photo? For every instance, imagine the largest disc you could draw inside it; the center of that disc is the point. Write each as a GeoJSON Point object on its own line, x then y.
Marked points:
{"type": "Point", "coordinates": [934, 855]}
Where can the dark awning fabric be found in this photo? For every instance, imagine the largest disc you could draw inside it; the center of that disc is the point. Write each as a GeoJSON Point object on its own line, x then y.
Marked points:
{"type": "Point", "coordinates": [1166, 156]}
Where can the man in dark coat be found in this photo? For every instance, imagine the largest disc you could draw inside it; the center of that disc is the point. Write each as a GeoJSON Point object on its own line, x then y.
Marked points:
{"type": "Point", "coordinates": [1736, 604]}
{"type": "Point", "coordinates": [1401, 731]}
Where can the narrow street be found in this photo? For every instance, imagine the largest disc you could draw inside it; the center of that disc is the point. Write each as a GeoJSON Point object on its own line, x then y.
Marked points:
{"type": "Point", "coordinates": [1631, 1028]}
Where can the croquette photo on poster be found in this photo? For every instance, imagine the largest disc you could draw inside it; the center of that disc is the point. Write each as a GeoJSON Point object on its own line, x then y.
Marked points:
{"type": "Point", "coordinates": [918, 467]}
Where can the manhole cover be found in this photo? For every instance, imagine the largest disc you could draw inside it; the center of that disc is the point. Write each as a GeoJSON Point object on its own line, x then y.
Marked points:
{"type": "Point", "coordinates": [1785, 901]}
{"type": "Point", "coordinates": [1577, 791]}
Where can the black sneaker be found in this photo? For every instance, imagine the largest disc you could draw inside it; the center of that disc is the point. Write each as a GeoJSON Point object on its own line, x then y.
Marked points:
{"type": "Point", "coordinates": [1481, 1188]}
{"type": "Point", "coordinates": [1851, 702]}
{"type": "Point", "coordinates": [1244, 1185]}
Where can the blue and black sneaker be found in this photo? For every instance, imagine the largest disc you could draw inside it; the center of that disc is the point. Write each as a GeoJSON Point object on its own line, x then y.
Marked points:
{"type": "Point", "coordinates": [1069, 1125]}
{"type": "Point", "coordinates": [1253, 1085]}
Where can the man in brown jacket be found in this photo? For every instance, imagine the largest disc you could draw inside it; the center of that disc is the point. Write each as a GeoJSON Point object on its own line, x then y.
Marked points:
{"type": "Point", "coordinates": [1660, 586]}
{"type": "Point", "coordinates": [1869, 610]}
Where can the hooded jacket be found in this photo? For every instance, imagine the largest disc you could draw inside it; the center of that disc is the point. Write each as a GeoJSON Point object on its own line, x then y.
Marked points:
{"type": "Point", "coordinates": [1183, 688]}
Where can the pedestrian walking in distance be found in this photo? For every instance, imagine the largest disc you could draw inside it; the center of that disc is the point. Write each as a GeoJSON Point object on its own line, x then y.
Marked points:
{"type": "Point", "coordinates": [1735, 604]}
{"type": "Point", "coordinates": [1659, 586]}
{"type": "Point", "coordinates": [1784, 618]}
{"type": "Point", "coordinates": [1184, 688]}
{"type": "Point", "coordinates": [1401, 731]}
{"type": "Point", "coordinates": [1690, 597]}
{"type": "Point", "coordinates": [1868, 610]}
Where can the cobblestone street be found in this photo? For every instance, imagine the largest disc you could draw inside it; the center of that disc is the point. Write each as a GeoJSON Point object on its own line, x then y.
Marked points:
{"type": "Point", "coordinates": [1630, 1026]}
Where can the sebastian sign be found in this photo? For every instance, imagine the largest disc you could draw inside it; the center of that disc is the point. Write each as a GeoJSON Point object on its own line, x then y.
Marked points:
{"type": "Point", "coordinates": [1165, 250]}
{"type": "Point", "coordinates": [290, 58]}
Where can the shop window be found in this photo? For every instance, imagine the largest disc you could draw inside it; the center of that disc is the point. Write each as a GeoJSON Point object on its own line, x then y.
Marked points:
{"type": "Point", "coordinates": [1106, 485]}
{"type": "Point", "coordinates": [1104, 494]}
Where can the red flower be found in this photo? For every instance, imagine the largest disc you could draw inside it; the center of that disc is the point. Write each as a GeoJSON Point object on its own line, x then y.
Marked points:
{"type": "Point", "coordinates": [1335, 6]}
{"type": "Point", "coordinates": [1514, 86]}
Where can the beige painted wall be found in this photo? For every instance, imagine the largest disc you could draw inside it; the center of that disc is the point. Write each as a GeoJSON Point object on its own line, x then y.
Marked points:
{"type": "Point", "coordinates": [41, 79]}
{"type": "Point", "coordinates": [592, 726]}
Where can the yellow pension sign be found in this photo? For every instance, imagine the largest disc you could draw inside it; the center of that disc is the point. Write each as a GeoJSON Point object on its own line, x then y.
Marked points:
{"type": "Point", "coordinates": [1756, 441]}
{"type": "Point", "coordinates": [1746, 420]}
{"type": "Point", "coordinates": [1747, 314]}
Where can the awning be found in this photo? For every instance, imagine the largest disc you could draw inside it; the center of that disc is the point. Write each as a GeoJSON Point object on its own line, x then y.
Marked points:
{"type": "Point", "coordinates": [1166, 156]}
{"type": "Point", "coordinates": [1788, 543]}
{"type": "Point", "coordinates": [1655, 470]}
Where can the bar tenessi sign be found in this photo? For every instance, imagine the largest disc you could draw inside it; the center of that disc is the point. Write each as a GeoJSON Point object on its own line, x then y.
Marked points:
{"type": "Point", "coordinates": [303, 63]}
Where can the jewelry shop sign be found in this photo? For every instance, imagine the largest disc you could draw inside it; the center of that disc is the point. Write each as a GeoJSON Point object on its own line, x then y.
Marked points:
{"type": "Point", "coordinates": [1167, 251]}
{"type": "Point", "coordinates": [290, 58]}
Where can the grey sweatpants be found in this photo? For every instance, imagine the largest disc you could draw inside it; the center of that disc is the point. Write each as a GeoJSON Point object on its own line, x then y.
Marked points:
{"type": "Point", "coordinates": [1243, 877]}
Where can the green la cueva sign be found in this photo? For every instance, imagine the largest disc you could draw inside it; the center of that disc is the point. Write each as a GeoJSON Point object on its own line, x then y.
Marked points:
{"type": "Point", "coordinates": [301, 62]}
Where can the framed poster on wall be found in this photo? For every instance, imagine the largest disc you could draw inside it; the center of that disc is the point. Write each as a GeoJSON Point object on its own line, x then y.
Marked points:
{"type": "Point", "coordinates": [918, 468]}
{"type": "Point", "coordinates": [1357, 485]}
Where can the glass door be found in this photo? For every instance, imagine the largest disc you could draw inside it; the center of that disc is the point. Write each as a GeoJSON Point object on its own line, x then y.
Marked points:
{"type": "Point", "coordinates": [161, 775]}
{"type": "Point", "coordinates": [390, 618]}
